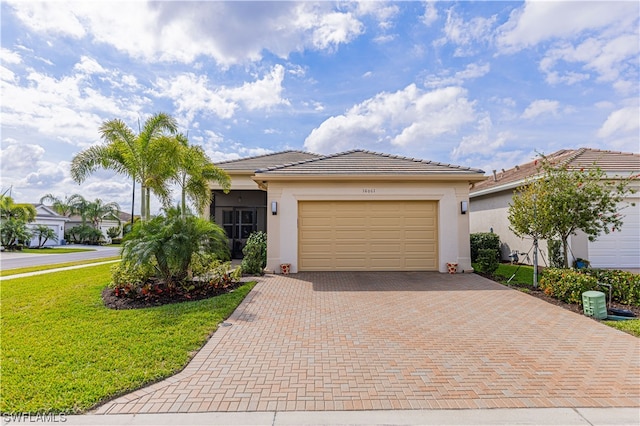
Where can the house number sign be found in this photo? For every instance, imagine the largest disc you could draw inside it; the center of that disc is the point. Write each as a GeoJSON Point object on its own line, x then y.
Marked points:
{"type": "Point", "coordinates": [369, 190]}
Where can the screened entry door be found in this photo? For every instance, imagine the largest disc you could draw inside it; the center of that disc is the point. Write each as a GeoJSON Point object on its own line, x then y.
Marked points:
{"type": "Point", "coordinates": [239, 223]}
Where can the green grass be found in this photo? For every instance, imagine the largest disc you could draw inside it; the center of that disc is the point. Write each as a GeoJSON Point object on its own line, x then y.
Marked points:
{"type": "Point", "coordinates": [4, 273]}
{"type": "Point", "coordinates": [64, 351]}
{"type": "Point", "coordinates": [48, 250]}
{"type": "Point", "coordinates": [524, 274]}
{"type": "Point", "coordinates": [630, 326]}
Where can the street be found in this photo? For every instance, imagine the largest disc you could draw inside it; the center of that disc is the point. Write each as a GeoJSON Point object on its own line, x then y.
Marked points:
{"type": "Point", "coordinates": [13, 260]}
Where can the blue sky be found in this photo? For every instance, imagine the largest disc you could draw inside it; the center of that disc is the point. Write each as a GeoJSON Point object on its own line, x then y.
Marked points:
{"type": "Point", "coordinates": [478, 84]}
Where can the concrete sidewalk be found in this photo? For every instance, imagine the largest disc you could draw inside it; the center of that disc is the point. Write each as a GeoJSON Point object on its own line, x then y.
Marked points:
{"type": "Point", "coordinates": [498, 416]}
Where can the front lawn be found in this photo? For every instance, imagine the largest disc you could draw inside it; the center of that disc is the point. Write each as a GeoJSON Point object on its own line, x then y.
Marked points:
{"type": "Point", "coordinates": [16, 271]}
{"type": "Point", "coordinates": [64, 351]}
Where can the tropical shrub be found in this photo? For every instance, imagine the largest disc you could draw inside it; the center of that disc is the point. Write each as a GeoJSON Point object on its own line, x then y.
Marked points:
{"type": "Point", "coordinates": [113, 232]}
{"type": "Point", "coordinates": [44, 234]}
{"type": "Point", "coordinates": [170, 243]}
{"type": "Point", "coordinates": [255, 254]}
{"type": "Point", "coordinates": [487, 260]}
{"type": "Point", "coordinates": [14, 233]}
{"type": "Point", "coordinates": [85, 234]}
{"type": "Point", "coordinates": [484, 240]}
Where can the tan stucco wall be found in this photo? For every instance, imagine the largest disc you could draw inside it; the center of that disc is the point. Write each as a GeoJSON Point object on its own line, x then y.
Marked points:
{"type": "Point", "coordinates": [239, 181]}
{"type": "Point", "coordinates": [282, 228]}
{"type": "Point", "coordinates": [491, 212]}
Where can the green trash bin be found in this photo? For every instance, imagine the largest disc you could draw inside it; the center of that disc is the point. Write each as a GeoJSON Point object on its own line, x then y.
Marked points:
{"type": "Point", "coordinates": [594, 304]}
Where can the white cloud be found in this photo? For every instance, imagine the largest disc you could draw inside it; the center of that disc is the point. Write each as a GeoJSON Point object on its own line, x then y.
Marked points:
{"type": "Point", "coordinates": [69, 106]}
{"type": "Point", "coordinates": [472, 71]}
{"type": "Point", "coordinates": [606, 57]}
{"type": "Point", "coordinates": [193, 94]}
{"type": "Point", "coordinates": [539, 107]}
{"type": "Point", "coordinates": [333, 29]}
{"type": "Point", "coordinates": [260, 94]}
{"type": "Point", "coordinates": [229, 32]}
{"type": "Point", "coordinates": [539, 21]}
{"type": "Point", "coordinates": [407, 117]}
{"type": "Point", "coordinates": [622, 122]}
{"type": "Point", "coordinates": [430, 13]}
{"type": "Point", "coordinates": [466, 34]}
{"type": "Point", "coordinates": [89, 66]}
{"type": "Point", "coordinates": [10, 57]}
{"type": "Point", "coordinates": [7, 75]}
{"type": "Point", "coordinates": [50, 17]}
{"type": "Point", "coordinates": [482, 141]}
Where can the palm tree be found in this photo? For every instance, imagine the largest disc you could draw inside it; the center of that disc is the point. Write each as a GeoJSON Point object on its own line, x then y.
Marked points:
{"type": "Point", "coordinates": [21, 211]}
{"type": "Point", "coordinates": [65, 207]}
{"type": "Point", "coordinates": [146, 157]}
{"type": "Point", "coordinates": [96, 210]}
{"type": "Point", "coordinates": [193, 173]}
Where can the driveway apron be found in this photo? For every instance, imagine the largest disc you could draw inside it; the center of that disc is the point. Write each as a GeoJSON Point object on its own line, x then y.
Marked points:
{"type": "Point", "coordinates": [374, 341]}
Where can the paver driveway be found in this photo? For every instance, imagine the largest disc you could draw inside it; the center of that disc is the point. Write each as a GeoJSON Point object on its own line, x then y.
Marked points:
{"type": "Point", "coordinates": [352, 341]}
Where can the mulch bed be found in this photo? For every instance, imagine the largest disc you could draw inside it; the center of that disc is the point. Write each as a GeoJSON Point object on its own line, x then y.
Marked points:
{"type": "Point", "coordinates": [574, 307]}
{"type": "Point", "coordinates": [122, 302]}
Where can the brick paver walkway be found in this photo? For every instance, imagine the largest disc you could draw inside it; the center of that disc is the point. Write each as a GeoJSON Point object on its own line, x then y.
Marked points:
{"type": "Point", "coordinates": [361, 341]}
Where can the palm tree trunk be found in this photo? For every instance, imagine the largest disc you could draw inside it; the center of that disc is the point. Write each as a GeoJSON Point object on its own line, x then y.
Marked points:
{"type": "Point", "coordinates": [143, 202]}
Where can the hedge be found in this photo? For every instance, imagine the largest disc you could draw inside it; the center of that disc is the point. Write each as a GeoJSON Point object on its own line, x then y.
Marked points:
{"type": "Point", "coordinates": [484, 240]}
{"type": "Point", "coordinates": [569, 284]}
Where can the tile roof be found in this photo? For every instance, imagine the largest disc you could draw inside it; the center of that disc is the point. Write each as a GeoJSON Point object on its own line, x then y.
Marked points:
{"type": "Point", "coordinates": [361, 162]}
{"type": "Point", "coordinates": [611, 162]}
{"type": "Point", "coordinates": [269, 160]}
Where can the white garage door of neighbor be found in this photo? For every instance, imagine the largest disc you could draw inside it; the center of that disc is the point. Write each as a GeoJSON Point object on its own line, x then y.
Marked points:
{"type": "Point", "coordinates": [368, 235]}
{"type": "Point", "coordinates": [619, 249]}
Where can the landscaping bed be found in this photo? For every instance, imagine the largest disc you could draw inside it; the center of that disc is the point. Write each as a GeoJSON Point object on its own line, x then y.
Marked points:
{"type": "Point", "coordinates": [522, 281]}
{"type": "Point", "coordinates": [163, 296]}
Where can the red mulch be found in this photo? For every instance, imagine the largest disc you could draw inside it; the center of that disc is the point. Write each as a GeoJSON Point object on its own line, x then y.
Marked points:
{"type": "Point", "coordinates": [200, 292]}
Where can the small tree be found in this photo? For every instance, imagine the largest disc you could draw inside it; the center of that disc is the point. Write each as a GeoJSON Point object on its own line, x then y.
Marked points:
{"type": "Point", "coordinates": [560, 201]}
{"type": "Point", "coordinates": [44, 234]}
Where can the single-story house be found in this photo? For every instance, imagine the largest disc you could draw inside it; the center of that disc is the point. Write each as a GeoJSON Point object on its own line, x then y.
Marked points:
{"type": "Point", "coordinates": [490, 200]}
{"type": "Point", "coordinates": [355, 210]}
{"type": "Point", "coordinates": [48, 217]}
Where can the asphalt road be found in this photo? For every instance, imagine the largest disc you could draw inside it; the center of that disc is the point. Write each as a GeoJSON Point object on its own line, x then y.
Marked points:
{"type": "Point", "coordinates": [23, 260]}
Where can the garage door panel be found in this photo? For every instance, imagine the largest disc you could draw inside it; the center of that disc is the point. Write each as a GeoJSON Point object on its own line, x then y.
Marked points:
{"type": "Point", "coordinates": [368, 235]}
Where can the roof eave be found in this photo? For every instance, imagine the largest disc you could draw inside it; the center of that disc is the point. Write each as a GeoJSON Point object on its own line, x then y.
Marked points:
{"type": "Point", "coordinates": [467, 177]}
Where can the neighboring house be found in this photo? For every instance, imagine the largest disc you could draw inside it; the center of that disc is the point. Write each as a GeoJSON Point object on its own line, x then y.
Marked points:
{"type": "Point", "coordinates": [621, 249]}
{"type": "Point", "coordinates": [47, 216]}
{"type": "Point", "coordinates": [357, 210]}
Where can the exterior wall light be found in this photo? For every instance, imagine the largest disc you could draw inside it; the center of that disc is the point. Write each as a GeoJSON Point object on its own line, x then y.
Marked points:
{"type": "Point", "coordinates": [274, 207]}
{"type": "Point", "coordinates": [464, 207]}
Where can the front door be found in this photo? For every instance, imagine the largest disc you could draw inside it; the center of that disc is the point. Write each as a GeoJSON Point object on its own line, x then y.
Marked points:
{"type": "Point", "coordinates": [239, 223]}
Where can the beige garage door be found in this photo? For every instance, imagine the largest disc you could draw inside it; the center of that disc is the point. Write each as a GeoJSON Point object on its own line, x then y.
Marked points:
{"type": "Point", "coordinates": [368, 235]}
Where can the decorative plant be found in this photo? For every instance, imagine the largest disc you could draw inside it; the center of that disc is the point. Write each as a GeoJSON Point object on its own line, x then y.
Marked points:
{"type": "Point", "coordinates": [255, 254]}
{"type": "Point", "coordinates": [487, 261]}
